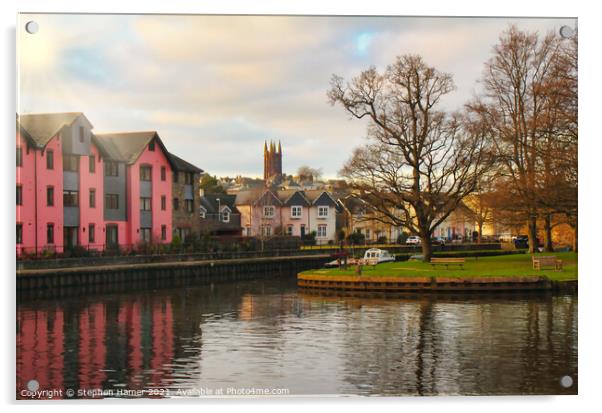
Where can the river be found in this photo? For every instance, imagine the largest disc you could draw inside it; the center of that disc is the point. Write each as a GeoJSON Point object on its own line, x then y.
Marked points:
{"type": "Point", "coordinates": [268, 337]}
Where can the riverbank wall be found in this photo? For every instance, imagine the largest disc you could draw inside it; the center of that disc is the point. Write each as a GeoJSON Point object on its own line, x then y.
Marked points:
{"type": "Point", "coordinates": [167, 272]}
{"type": "Point", "coordinates": [432, 284]}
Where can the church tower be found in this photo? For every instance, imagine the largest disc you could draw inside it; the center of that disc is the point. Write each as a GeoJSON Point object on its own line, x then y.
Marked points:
{"type": "Point", "coordinates": [272, 161]}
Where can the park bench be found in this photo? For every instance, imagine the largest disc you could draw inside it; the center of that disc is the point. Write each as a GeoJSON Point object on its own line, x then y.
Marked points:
{"type": "Point", "coordinates": [547, 261]}
{"type": "Point", "coordinates": [447, 262]}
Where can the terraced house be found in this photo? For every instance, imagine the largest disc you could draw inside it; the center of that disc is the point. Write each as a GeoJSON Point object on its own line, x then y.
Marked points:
{"type": "Point", "coordinates": [265, 212]}
{"type": "Point", "coordinates": [96, 191]}
{"type": "Point", "coordinates": [59, 183]}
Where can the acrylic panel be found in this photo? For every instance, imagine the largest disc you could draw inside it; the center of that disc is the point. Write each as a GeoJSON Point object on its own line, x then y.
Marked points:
{"type": "Point", "coordinates": [275, 206]}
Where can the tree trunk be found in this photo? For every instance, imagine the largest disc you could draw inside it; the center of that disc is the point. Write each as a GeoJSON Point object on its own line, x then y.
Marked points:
{"type": "Point", "coordinates": [480, 235]}
{"type": "Point", "coordinates": [575, 231]}
{"type": "Point", "coordinates": [532, 225]}
{"type": "Point", "coordinates": [548, 247]}
{"type": "Point", "coordinates": [427, 249]}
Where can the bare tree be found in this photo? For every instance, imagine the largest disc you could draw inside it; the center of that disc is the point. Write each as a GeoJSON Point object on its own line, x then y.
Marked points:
{"type": "Point", "coordinates": [306, 172]}
{"type": "Point", "coordinates": [481, 203]}
{"type": "Point", "coordinates": [419, 162]}
{"type": "Point", "coordinates": [525, 108]}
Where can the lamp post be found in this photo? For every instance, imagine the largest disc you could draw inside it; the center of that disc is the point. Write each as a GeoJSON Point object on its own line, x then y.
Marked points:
{"type": "Point", "coordinates": [219, 210]}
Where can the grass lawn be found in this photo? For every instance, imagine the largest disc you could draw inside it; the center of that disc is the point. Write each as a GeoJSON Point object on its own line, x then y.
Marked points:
{"type": "Point", "coordinates": [501, 266]}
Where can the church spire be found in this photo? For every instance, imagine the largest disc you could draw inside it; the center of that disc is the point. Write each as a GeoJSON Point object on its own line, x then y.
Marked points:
{"type": "Point", "coordinates": [279, 147]}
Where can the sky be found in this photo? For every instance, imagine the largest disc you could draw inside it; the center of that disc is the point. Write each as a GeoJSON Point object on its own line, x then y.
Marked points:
{"type": "Point", "coordinates": [216, 87]}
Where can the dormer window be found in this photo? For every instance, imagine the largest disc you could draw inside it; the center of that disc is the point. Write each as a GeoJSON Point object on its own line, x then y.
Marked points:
{"type": "Point", "coordinates": [203, 212]}
{"type": "Point", "coordinates": [322, 212]}
{"type": "Point", "coordinates": [296, 211]}
{"type": "Point", "coordinates": [226, 216]}
{"type": "Point", "coordinates": [269, 211]}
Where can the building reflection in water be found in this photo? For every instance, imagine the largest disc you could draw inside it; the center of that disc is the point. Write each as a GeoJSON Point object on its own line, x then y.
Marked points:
{"type": "Point", "coordinates": [268, 334]}
{"type": "Point", "coordinates": [127, 344]}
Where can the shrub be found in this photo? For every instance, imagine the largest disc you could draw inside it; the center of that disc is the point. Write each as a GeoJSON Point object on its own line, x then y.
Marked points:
{"type": "Point", "coordinates": [356, 238]}
{"type": "Point", "coordinates": [401, 238]}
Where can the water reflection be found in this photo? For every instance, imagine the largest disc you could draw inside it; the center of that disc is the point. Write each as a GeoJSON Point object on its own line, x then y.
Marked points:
{"type": "Point", "coordinates": [267, 334]}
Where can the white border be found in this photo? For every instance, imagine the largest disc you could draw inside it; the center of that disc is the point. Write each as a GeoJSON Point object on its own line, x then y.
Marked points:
{"type": "Point", "coordinates": [589, 153]}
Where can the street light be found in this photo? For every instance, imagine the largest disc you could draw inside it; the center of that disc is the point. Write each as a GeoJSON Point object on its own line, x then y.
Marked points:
{"type": "Point", "coordinates": [219, 210]}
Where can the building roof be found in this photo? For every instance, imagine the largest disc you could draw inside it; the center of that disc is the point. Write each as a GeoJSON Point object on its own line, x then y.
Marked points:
{"type": "Point", "coordinates": [182, 165]}
{"type": "Point", "coordinates": [128, 146]}
{"type": "Point", "coordinates": [314, 194]}
{"type": "Point", "coordinates": [40, 128]}
{"type": "Point", "coordinates": [209, 202]}
{"type": "Point", "coordinates": [249, 196]}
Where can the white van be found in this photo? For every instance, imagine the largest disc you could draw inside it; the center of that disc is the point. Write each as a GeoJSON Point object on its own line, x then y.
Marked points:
{"type": "Point", "coordinates": [381, 255]}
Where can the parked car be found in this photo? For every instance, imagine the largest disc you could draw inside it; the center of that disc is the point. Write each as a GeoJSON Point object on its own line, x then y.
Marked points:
{"type": "Point", "coordinates": [413, 240]}
{"type": "Point", "coordinates": [438, 241]}
{"type": "Point", "coordinates": [521, 241]}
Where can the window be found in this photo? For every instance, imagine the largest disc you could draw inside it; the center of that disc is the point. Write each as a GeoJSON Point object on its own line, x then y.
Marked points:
{"type": "Point", "coordinates": [49, 233]}
{"type": "Point", "coordinates": [50, 196]}
{"type": "Point", "coordinates": [81, 134]}
{"type": "Point", "coordinates": [289, 230]}
{"type": "Point", "coordinates": [322, 212]}
{"type": "Point", "coordinates": [266, 230]}
{"type": "Point", "coordinates": [111, 168]}
{"type": "Point", "coordinates": [248, 231]}
{"type": "Point", "coordinates": [367, 233]}
{"type": "Point", "coordinates": [163, 203]}
{"type": "Point", "coordinates": [175, 176]}
{"type": "Point", "coordinates": [146, 173]}
{"type": "Point", "coordinates": [321, 230]}
{"type": "Point", "coordinates": [188, 178]}
{"type": "Point", "coordinates": [19, 156]}
{"type": "Point", "coordinates": [269, 211]}
{"type": "Point", "coordinates": [226, 216]}
{"type": "Point", "coordinates": [19, 233]}
{"type": "Point", "coordinates": [19, 195]}
{"type": "Point", "coordinates": [151, 146]}
{"type": "Point", "coordinates": [145, 204]}
{"type": "Point", "coordinates": [70, 198]}
{"type": "Point", "coordinates": [49, 159]}
{"type": "Point", "coordinates": [91, 233]}
{"type": "Point", "coordinates": [92, 197]}
{"type": "Point", "coordinates": [296, 212]}
{"type": "Point", "coordinates": [203, 212]}
{"type": "Point", "coordinates": [111, 201]}
{"type": "Point", "coordinates": [163, 232]}
{"type": "Point", "coordinates": [176, 204]}
{"type": "Point", "coordinates": [70, 163]}
{"type": "Point", "coordinates": [145, 234]}
{"type": "Point", "coordinates": [189, 205]}
{"type": "Point", "coordinates": [163, 173]}
{"type": "Point", "coordinates": [92, 163]}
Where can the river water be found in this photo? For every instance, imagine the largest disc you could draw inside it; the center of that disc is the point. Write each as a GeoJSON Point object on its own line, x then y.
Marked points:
{"type": "Point", "coordinates": [268, 337]}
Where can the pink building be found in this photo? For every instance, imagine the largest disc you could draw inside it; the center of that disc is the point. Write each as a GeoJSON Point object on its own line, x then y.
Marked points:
{"type": "Point", "coordinates": [75, 188]}
{"type": "Point", "coordinates": [265, 212]}
{"type": "Point", "coordinates": [137, 188]}
{"type": "Point", "coordinates": [51, 149]}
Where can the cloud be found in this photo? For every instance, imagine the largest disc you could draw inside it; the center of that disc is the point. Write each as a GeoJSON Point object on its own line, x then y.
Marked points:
{"type": "Point", "coordinates": [215, 87]}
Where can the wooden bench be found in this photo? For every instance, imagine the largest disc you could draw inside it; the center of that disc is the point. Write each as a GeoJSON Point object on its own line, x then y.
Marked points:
{"type": "Point", "coordinates": [447, 262]}
{"type": "Point", "coordinates": [547, 261]}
